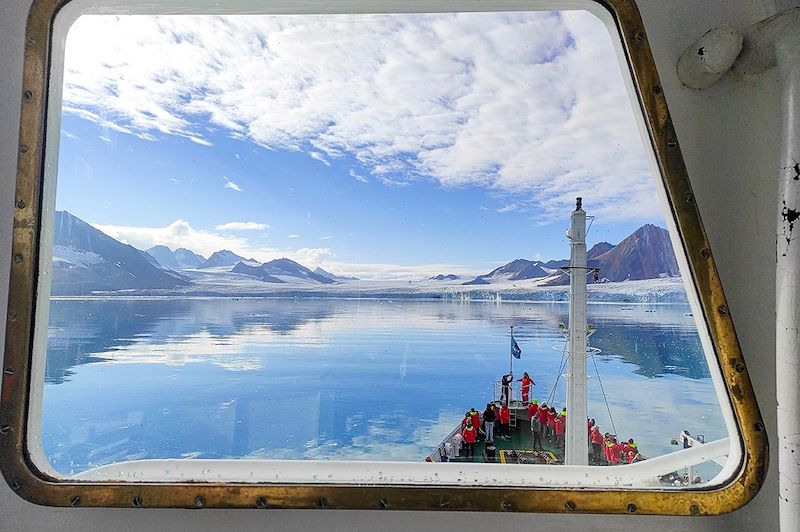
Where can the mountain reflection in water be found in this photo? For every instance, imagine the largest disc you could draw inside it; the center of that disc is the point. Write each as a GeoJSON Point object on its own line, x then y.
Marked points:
{"type": "Point", "coordinates": [341, 379]}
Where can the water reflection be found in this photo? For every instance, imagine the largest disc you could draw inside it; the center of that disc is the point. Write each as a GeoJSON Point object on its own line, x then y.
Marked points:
{"type": "Point", "coordinates": [339, 379]}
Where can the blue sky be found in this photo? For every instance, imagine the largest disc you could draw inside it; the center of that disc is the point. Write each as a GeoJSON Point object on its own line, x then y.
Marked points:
{"type": "Point", "coordinates": [372, 145]}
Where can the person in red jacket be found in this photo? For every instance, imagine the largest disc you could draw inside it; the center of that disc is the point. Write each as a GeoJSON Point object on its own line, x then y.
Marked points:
{"type": "Point", "coordinates": [614, 451]}
{"type": "Point", "coordinates": [558, 424]}
{"type": "Point", "coordinates": [533, 408]}
{"type": "Point", "coordinates": [525, 386]}
{"type": "Point", "coordinates": [475, 417]}
{"type": "Point", "coordinates": [470, 435]}
{"type": "Point", "coordinates": [543, 413]}
{"type": "Point", "coordinates": [467, 417]}
{"type": "Point", "coordinates": [505, 418]}
{"type": "Point", "coordinates": [551, 424]}
{"type": "Point", "coordinates": [597, 445]}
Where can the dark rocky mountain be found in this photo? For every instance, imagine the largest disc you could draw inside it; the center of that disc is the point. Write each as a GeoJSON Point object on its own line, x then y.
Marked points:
{"type": "Point", "coordinates": [277, 268]}
{"type": "Point", "coordinates": [85, 259]}
{"type": "Point", "coordinates": [646, 254]}
{"type": "Point", "coordinates": [597, 250]}
{"type": "Point", "coordinates": [255, 271]}
{"type": "Point", "coordinates": [224, 258]}
{"type": "Point", "coordinates": [513, 271]}
{"type": "Point", "coordinates": [443, 277]}
{"type": "Point", "coordinates": [164, 257]}
{"type": "Point", "coordinates": [188, 259]}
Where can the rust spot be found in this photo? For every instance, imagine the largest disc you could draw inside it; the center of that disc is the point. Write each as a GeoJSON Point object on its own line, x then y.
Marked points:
{"type": "Point", "coordinates": [736, 391]}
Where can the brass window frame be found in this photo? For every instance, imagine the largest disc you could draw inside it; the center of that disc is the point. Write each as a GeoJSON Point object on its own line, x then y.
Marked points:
{"type": "Point", "coordinates": [40, 488]}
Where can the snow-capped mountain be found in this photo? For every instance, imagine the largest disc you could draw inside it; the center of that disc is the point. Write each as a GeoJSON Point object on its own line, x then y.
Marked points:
{"type": "Point", "coordinates": [187, 259]}
{"type": "Point", "coordinates": [282, 270]}
{"type": "Point", "coordinates": [645, 254]}
{"type": "Point", "coordinates": [444, 277]}
{"type": "Point", "coordinates": [255, 271]}
{"type": "Point", "coordinates": [164, 257]}
{"type": "Point", "coordinates": [180, 259]}
{"type": "Point", "coordinates": [319, 271]}
{"type": "Point", "coordinates": [85, 259]}
{"type": "Point", "coordinates": [515, 270]}
{"type": "Point", "coordinates": [224, 258]}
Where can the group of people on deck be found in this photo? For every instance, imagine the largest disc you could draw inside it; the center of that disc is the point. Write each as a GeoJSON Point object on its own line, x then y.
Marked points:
{"type": "Point", "coordinates": [547, 424]}
{"type": "Point", "coordinates": [474, 425]}
{"type": "Point", "coordinates": [606, 449]}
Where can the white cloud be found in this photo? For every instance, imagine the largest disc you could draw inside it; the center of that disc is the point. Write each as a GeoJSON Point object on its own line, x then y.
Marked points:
{"type": "Point", "coordinates": [389, 271]}
{"type": "Point", "coordinates": [231, 185]}
{"type": "Point", "coordinates": [180, 234]}
{"type": "Point", "coordinates": [511, 207]}
{"type": "Point", "coordinates": [242, 226]}
{"type": "Point", "coordinates": [293, 236]}
{"type": "Point", "coordinates": [327, 237]}
{"type": "Point", "coordinates": [393, 182]}
{"type": "Point", "coordinates": [358, 177]}
{"type": "Point", "coordinates": [320, 157]}
{"type": "Point", "coordinates": [528, 104]}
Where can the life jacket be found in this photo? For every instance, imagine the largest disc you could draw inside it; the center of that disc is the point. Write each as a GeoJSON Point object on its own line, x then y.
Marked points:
{"type": "Point", "coordinates": [597, 438]}
{"type": "Point", "coordinates": [533, 409]}
{"type": "Point", "coordinates": [470, 435]}
{"type": "Point", "coordinates": [613, 453]}
{"type": "Point", "coordinates": [559, 423]}
{"type": "Point", "coordinates": [476, 419]}
{"type": "Point", "coordinates": [505, 415]}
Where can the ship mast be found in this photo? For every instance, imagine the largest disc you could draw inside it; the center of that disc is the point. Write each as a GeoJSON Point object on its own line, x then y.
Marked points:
{"type": "Point", "coordinates": [576, 439]}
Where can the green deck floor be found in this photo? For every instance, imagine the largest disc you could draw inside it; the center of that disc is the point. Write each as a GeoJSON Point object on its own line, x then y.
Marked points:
{"type": "Point", "coordinates": [520, 440]}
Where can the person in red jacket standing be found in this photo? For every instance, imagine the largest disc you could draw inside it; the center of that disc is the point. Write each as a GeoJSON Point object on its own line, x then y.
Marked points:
{"type": "Point", "coordinates": [475, 417]}
{"type": "Point", "coordinates": [543, 414]}
{"type": "Point", "coordinates": [558, 424]}
{"type": "Point", "coordinates": [614, 450]}
{"type": "Point", "coordinates": [533, 410]}
{"type": "Point", "coordinates": [597, 445]}
{"type": "Point", "coordinates": [505, 418]}
{"type": "Point", "coordinates": [551, 424]}
{"type": "Point", "coordinates": [525, 386]}
{"type": "Point", "coordinates": [470, 435]}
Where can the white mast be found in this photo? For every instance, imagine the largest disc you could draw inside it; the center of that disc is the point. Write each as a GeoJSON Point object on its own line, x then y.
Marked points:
{"type": "Point", "coordinates": [576, 437]}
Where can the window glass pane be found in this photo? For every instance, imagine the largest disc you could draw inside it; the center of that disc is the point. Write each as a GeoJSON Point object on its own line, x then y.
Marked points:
{"type": "Point", "coordinates": [309, 237]}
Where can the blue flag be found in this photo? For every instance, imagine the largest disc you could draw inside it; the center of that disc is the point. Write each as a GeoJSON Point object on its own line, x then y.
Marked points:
{"type": "Point", "coordinates": [515, 350]}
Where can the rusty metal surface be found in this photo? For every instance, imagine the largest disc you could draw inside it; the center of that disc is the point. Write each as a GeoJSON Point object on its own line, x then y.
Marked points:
{"type": "Point", "coordinates": [35, 486]}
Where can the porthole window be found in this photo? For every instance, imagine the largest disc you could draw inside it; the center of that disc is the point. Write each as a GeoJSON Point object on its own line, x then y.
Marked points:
{"type": "Point", "coordinates": [363, 257]}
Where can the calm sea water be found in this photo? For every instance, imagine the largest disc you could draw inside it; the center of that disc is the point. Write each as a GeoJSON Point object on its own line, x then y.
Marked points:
{"type": "Point", "coordinates": [339, 379]}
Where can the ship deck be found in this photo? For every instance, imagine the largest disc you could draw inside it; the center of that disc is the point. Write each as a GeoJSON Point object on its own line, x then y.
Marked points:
{"type": "Point", "coordinates": [518, 448]}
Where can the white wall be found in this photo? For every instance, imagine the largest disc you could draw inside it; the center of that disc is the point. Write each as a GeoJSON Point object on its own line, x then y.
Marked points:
{"type": "Point", "coordinates": [729, 136]}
